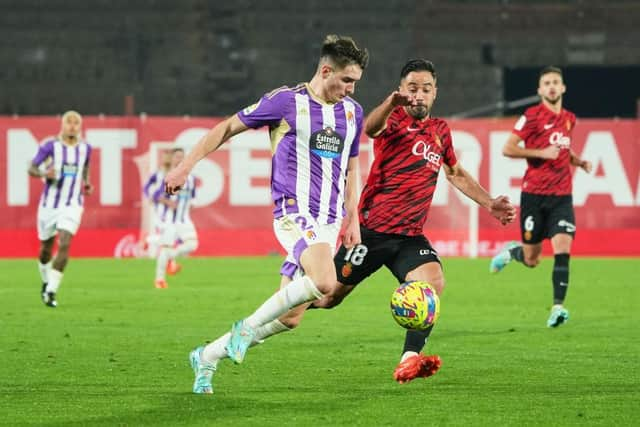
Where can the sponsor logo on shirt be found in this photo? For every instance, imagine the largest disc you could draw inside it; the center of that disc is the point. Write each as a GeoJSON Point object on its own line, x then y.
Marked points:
{"type": "Point", "coordinates": [327, 143]}
{"type": "Point", "coordinates": [559, 139]}
{"type": "Point", "coordinates": [422, 149]}
{"type": "Point", "coordinates": [69, 169]}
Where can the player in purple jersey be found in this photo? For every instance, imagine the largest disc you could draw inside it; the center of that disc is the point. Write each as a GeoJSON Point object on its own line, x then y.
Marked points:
{"type": "Point", "coordinates": [315, 128]}
{"type": "Point", "coordinates": [155, 182]}
{"type": "Point", "coordinates": [178, 236]}
{"type": "Point", "coordinates": [66, 176]}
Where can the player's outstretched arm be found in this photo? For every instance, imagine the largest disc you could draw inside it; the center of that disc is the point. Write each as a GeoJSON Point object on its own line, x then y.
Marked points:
{"type": "Point", "coordinates": [577, 161]}
{"type": "Point", "coordinates": [500, 207]}
{"type": "Point", "coordinates": [513, 150]}
{"type": "Point", "coordinates": [210, 142]}
{"type": "Point", "coordinates": [377, 120]}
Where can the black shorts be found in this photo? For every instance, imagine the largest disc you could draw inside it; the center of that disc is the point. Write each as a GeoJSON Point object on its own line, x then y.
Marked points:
{"type": "Point", "coordinates": [401, 254]}
{"type": "Point", "coordinates": [543, 217]}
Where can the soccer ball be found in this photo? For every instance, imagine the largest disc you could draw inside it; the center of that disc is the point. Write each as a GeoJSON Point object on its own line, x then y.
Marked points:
{"type": "Point", "coordinates": [415, 305]}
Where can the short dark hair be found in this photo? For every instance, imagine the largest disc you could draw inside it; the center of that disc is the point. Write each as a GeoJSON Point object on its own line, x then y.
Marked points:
{"type": "Point", "coordinates": [418, 65]}
{"type": "Point", "coordinates": [343, 51]}
{"type": "Point", "coordinates": [550, 69]}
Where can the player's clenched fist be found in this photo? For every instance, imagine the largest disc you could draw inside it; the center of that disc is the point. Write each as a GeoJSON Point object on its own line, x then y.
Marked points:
{"type": "Point", "coordinates": [175, 179]}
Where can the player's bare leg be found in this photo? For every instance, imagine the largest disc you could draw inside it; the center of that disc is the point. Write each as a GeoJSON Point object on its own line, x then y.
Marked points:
{"type": "Point", "coordinates": [526, 254]}
{"type": "Point", "coordinates": [184, 248]}
{"type": "Point", "coordinates": [413, 364]}
{"type": "Point", "coordinates": [57, 269]}
{"type": "Point", "coordinates": [335, 298]}
{"type": "Point", "coordinates": [561, 244]}
{"type": "Point", "coordinates": [319, 279]}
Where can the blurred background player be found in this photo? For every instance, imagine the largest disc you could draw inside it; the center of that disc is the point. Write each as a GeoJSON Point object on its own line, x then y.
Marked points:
{"type": "Point", "coordinates": [546, 202]}
{"type": "Point", "coordinates": [151, 187]}
{"type": "Point", "coordinates": [175, 224]}
{"type": "Point", "coordinates": [66, 178]}
{"type": "Point", "coordinates": [315, 129]}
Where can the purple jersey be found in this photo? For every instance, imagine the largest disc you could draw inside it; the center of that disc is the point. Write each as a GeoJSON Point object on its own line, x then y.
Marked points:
{"type": "Point", "coordinates": [153, 184]}
{"type": "Point", "coordinates": [311, 143]}
{"type": "Point", "coordinates": [183, 198]}
{"type": "Point", "coordinates": [69, 163]}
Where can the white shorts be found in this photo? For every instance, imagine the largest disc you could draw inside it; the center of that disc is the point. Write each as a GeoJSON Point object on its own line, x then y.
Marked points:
{"type": "Point", "coordinates": [51, 220]}
{"type": "Point", "coordinates": [297, 231]}
{"type": "Point", "coordinates": [170, 232]}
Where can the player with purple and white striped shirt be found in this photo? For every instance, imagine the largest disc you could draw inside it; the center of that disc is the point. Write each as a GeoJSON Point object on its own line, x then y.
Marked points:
{"type": "Point", "coordinates": [174, 224]}
{"type": "Point", "coordinates": [314, 129]}
{"type": "Point", "coordinates": [150, 188]}
{"type": "Point", "coordinates": [66, 176]}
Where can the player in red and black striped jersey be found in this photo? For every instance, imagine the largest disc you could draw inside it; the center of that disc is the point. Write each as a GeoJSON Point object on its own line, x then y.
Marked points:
{"type": "Point", "coordinates": [410, 148]}
{"type": "Point", "coordinates": [545, 201]}
{"type": "Point", "coordinates": [408, 154]}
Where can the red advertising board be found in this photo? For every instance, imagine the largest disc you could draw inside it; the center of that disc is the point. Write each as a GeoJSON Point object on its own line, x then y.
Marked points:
{"type": "Point", "coordinates": [232, 211]}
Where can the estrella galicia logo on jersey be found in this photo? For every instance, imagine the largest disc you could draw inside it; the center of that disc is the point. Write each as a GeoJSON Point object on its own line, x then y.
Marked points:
{"type": "Point", "coordinates": [184, 193]}
{"type": "Point", "coordinates": [69, 169]}
{"type": "Point", "coordinates": [251, 108]}
{"type": "Point", "coordinates": [327, 143]}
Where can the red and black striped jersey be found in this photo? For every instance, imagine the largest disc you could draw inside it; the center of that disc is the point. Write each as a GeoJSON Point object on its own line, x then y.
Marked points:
{"type": "Point", "coordinates": [540, 127]}
{"type": "Point", "coordinates": [404, 173]}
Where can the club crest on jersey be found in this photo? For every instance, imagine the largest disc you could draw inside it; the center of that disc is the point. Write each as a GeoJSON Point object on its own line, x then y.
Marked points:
{"type": "Point", "coordinates": [422, 149]}
{"type": "Point", "coordinates": [327, 143]}
{"type": "Point", "coordinates": [350, 117]}
{"type": "Point", "coordinates": [346, 270]}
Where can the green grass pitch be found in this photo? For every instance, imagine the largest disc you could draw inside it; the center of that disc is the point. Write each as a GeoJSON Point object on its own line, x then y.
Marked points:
{"type": "Point", "coordinates": [115, 351]}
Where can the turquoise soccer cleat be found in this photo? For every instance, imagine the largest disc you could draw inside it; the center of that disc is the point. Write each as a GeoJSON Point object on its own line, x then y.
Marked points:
{"type": "Point", "coordinates": [242, 336]}
{"type": "Point", "coordinates": [558, 316]}
{"type": "Point", "coordinates": [203, 371]}
{"type": "Point", "coordinates": [502, 258]}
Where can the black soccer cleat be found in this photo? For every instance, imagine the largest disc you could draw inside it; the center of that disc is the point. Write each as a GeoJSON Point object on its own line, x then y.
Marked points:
{"type": "Point", "coordinates": [49, 298]}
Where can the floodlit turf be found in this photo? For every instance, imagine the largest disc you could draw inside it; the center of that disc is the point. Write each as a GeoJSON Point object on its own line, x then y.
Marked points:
{"type": "Point", "coordinates": [115, 351]}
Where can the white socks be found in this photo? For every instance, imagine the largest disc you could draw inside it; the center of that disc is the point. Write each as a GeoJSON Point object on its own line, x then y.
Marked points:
{"type": "Point", "coordinates": [299, 291]}
{"type": "Point", "coordinates": [265, 319]}
{"type": "Point", "coordinates": [55, 277]}
{"type": "Point", "coordinates": [216, 350]}
{"type": "Point", "coordinates": [407, 354]}
{"type": "Point", "coordinates": [44, 271]}
{"type": "Point", "coordinates": [161, 263]}
{"type": "Point", "coordinates": [167, 253]}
